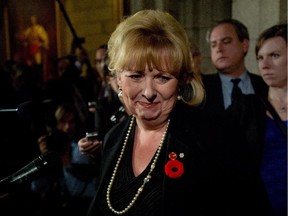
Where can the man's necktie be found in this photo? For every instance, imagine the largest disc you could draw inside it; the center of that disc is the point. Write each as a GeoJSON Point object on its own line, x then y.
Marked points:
{"type": "Point", "coordinates": [236, 91]}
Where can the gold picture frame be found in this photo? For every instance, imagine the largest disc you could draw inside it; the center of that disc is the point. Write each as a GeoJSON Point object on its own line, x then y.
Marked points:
{"type": "Point", "coordinates": [17, 22]}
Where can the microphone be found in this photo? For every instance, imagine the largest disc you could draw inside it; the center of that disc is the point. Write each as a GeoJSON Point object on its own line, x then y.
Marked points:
{"type": "Point", "coordinates": [24, 110]}
{"type": "Point", "coordinates": [27, 109]}
{"type": "Point", "coordinates": [44, 164]}
{"type": "Point", "coordinates": [33, 113]}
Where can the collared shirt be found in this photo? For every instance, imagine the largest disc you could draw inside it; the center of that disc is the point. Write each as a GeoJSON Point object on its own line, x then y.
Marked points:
{"type": "Point", "coordinates": [245, 85]}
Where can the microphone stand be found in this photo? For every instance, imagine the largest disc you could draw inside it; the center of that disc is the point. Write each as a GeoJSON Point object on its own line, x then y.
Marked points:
{"type": "Point", "coordinates": [77, 41]}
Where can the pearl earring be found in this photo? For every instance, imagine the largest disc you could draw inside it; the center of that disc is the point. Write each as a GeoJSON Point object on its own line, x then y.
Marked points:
{"type": "Point", "coordinates": [120, 92]}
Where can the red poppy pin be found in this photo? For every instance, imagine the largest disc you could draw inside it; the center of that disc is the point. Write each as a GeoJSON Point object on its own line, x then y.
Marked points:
{"type": "Point", "coordinates": [174, 168]}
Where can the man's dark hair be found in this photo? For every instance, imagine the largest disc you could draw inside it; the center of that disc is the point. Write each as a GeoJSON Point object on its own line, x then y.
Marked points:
{"type": "Point", "coordinates": [240, 28]}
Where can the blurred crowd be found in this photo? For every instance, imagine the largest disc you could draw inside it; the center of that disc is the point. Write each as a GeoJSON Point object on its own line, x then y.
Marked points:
{"type": "Point", "coordinates": [38, 116]}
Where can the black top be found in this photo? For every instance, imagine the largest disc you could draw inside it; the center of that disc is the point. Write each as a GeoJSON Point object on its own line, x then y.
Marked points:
{"type": "Point", "coordinates": [125, 186]}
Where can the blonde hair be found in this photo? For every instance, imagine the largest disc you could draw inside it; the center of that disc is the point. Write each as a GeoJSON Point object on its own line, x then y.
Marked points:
{"type": "Point", "coordinates": [155, 39]}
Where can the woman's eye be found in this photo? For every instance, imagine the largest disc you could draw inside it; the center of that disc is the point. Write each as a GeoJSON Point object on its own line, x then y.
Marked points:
{"type": "Point", "coordinates": [135, 76]}
{"type": "Point", "coordinates": [259, 58]}
{"type": "Point", "coordinates": [275, 55]}
{"type": "Point", "coordinates": [163, 79]}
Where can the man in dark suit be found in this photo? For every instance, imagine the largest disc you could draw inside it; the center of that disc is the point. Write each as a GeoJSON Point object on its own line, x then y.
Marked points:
{"type": "Point", "coordinates": [235, 114]}
{"type": "Point", "coordinates": [229, 44]}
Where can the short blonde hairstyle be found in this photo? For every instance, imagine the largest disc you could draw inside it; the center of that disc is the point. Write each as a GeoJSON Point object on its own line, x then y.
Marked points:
{"type": "Point", "coordinates": [155, 39]}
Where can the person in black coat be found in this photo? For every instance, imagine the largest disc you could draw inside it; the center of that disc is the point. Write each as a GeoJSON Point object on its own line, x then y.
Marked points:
{"type": "Point", "coordinates": [240, 116]}
{"type": "Point", "coordinates": [164, 159]}
{"type": "Point", "coordinates": [229, 44]}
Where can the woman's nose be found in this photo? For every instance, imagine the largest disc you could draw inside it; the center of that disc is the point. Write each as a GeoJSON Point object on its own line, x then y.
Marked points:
{"type": "Point", "coordinates": [149, 91]}
{"type": "Point", "coordinates": [265, 63]}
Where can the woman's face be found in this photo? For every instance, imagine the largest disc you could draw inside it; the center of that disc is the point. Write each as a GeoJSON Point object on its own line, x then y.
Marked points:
{"type": "Point", "coordinates": [67, 124]}
{"type": "Point", "coordinates": [272, 62]}
{"type": "Point", "coordinates": [149, 95]}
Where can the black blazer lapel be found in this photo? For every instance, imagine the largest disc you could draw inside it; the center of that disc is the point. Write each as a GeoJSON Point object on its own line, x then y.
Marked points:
{"type": "Point", "coordinates": [214, 97]}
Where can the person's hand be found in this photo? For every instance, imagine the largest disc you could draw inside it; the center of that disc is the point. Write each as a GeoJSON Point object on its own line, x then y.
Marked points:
{"type": "Point", "coordinates": [89, 147]}
{"type": "Point", "coordinates": [42, 144]}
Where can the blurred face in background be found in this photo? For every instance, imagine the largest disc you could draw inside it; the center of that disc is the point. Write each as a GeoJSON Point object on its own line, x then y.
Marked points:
{"type": "Point", "coordinates": [196, 61]}
{"type": "Point", "coordinates": [100, 57]}
{"type": "Point", "coordinates": [62, 66]}
{"type": "Point", "coordinates": [67, 124]}
{"type": "Point", "coordinates": [112, 81]}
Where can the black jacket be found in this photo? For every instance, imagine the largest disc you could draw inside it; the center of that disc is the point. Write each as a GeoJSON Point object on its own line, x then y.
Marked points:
{"type": "Point", "coordinates": [210, 185]}
{"type": "Point", "coordinates": [214, 97]}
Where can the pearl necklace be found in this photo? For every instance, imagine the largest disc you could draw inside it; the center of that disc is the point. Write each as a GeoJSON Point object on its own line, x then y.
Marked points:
{"type": "Point", "coordinates": [146, 179]}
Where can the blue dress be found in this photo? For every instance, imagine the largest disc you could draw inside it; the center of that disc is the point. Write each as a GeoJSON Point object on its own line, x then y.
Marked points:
{"type": "Point", "coordinates": [274, 167]}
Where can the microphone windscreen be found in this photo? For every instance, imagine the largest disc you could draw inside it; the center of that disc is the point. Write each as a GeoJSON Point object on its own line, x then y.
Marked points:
{"type": "Point", "coordinates": [53, 160]}
{"type": "Point", "coordinates": [28, 109]}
